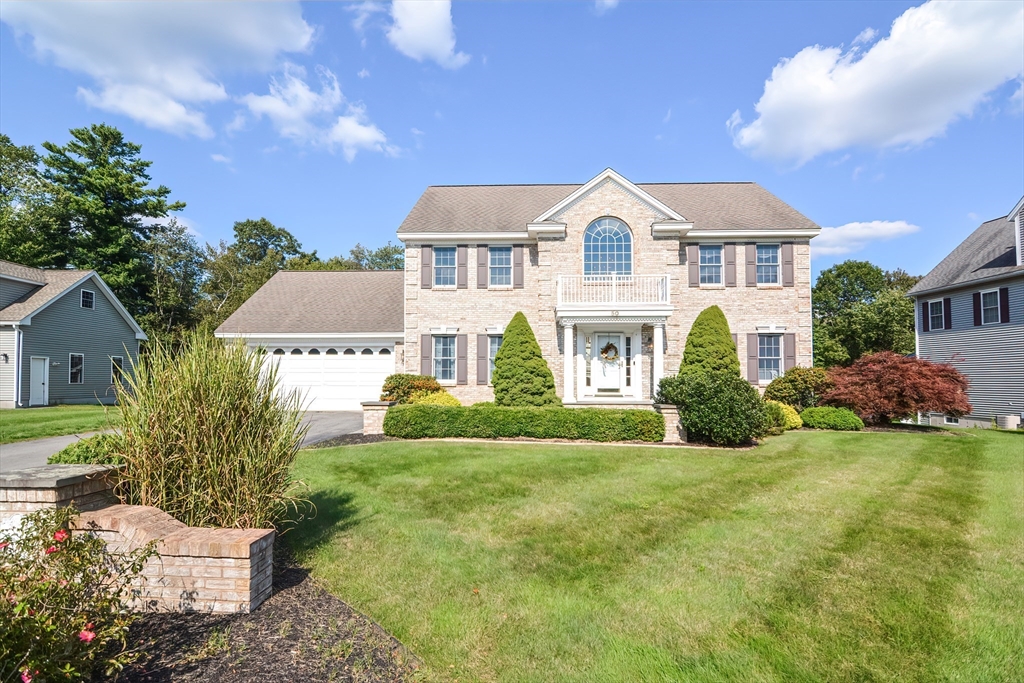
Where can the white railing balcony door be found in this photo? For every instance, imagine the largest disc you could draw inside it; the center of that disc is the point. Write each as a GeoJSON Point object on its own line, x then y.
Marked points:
{"type": "Point", "coordinates": [608, 290]}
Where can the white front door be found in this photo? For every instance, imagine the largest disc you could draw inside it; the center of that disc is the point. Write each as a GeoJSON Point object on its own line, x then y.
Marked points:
{"type": "Point", "coordinates": [39, 376]}
{"type": "Point", "coordinates": [607, 362]}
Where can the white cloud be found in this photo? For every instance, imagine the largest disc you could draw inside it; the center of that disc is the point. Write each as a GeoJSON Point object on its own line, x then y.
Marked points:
{"type": "Point", "coordinates": [363, 12]}
{"type": "Point", "coordinates": [363, 73]}
{"type": "Point", "coordinates": [220, 158]}
{"type": "Point", "coordinates": [157, 62]}
{"type": "Point", "coordinates": [852, 237]}
{"type": "Point", "coordinates": [603, 6]}
{"type": "Point", "coordinates": [938, 63]}
{"type": "Point", "coordinates": [423, 29]}
{"type": "Point", "coordinates": [306, 116]}
{"type": "Point", "coordinates": [667, 117]}
{"type": "Point", "coordinates": [865, 36]}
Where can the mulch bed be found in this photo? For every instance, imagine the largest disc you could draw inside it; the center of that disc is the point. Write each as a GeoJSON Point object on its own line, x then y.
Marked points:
{"type": "Point", "coordinates": [302, 633]}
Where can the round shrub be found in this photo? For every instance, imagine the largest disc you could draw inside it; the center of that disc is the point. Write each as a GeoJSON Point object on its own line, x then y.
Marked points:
{"type": "Point", "coordinates": [434, 398]}
{"type": "Point", "coordinates": [790, 418]}
{"type": "Point", "coordinates": [709, 344]}
{"type": "Point", "coordinates": [799, 387]}
{"type": "Point", "coordinates": [838, 419]}
{"type": "Point", "coordinates": [400, 387]}
{"type": "Point", "coordinates": [719, 407]}
{"type": "Point", "coordinates": [101, 449]}
{"type": "Point", "coordinates": [521, 376]}
{"type": "Point", "coordinates": [776, 418]}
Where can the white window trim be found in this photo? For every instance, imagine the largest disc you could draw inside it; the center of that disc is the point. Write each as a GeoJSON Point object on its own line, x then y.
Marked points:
{"type": "Point", "coordinates": [773, 331]}
{"type": "Point", "coordinates": [982, 293]}
{"type": "Point", "coordinates": [491, 335]}
{"type": "Point", "coordinates": [721, 267]}
{"type": "Point", "coordinates": [120, 358]}
{"type": "Point", "coordinates": [434, 267]}
{"type": "Point", "coordinates": [946, 419]}
{"type": "Point", "coordinates": [778, 266]}
{"type": "Point", "coordinates": [940, 302]}
{"type": "Point", "coordinates": [81, 305]}
{"type": "Point", "coordinates": [511, 266]}
{"type": "Point", "coordinates": [455, 357]}
{"type": "Point", "coordinates": [69, 368]}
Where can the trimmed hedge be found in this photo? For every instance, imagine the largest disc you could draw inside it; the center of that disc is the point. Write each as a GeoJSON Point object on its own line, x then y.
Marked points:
{"type": "Point", "coordinates": [492, 422]}
{"type": "Point", "coordinates": [838, 419]}
{"type": "Point", "coordinates": [401, 387]}
{"type": "Point", "coordinates": [93, 450]}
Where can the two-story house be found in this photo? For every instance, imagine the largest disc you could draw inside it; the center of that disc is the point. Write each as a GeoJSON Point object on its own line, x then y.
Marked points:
{"type": "Point", "coordinates": [970, 314]}
{"type": "Point", "coordinates": [610, 275]}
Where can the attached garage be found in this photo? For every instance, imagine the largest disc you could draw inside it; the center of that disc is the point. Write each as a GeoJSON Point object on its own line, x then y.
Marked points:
{"type": "Point", "coordinates": [334, 336]}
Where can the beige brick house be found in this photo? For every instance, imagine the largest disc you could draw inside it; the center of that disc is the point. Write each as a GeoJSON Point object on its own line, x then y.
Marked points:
{"type": "Point", "coordinates": [610, 274]}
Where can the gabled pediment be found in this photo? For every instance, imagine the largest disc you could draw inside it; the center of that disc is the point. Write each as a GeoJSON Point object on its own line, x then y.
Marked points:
{"type": "Point", "coordinates": [554, 214]}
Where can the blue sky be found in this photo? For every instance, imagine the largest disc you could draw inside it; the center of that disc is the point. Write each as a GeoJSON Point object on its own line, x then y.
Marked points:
{"type": "Point", "coordinates": [331, 118]}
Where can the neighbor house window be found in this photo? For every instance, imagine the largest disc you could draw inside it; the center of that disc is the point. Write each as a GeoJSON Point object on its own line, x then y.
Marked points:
{"type": "Point", "coordinates": [493, 344]}
{"type": "Point", "coordinates": [116, 369]}
{"type": "Point", "coordinates": [767, 264]}
{"type": "Point", "coordinates": [444, 358]}
{"type": "Point", "coordinates": [710, 264]}
{"type": "Point", "coordinates": [935, 315]}
{"type": "Point", "coordinates": [990, 307]}
{"type": "Point", "coordinates": [88, 299]}
{"type": "Point", "coordinates": [444, 266]}
{"type": "Point", "coordinates": [76, 368]}
{"type": "Point", "coordinates": [951, 420]}
{"type": "Point", "coordinates": [500, 266]}
{"type": "Point", "coordinates": [607, 248]}
{"type": "Point", "coordinates": [769, 356]}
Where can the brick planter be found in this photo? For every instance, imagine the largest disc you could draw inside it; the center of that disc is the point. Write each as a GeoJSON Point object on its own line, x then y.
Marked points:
{"type": "Point", "coordinates": [373, 416]}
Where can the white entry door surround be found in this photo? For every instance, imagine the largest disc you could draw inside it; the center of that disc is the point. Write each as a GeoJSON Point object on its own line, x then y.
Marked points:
{"type": "Point", "coordinates": [39, 381]}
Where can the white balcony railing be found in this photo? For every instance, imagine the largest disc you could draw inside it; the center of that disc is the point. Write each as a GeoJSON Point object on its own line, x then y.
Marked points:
{"type": "Point", "coordinates": [612, 289]}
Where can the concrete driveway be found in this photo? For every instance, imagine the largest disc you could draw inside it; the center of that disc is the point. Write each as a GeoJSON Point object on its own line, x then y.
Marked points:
{"type": "Point", "coordinates": [322, 426]}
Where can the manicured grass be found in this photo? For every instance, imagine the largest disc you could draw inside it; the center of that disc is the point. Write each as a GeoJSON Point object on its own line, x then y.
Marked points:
{"type": "Point", "coordinates": [36, 423]}
{"type": "Point", "coordinates": [815, 557]}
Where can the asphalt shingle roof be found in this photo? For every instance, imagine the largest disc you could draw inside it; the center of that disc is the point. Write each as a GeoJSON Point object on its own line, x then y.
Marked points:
{"type": "Point", "coordinates": [987, 252]}
{"type": "Point", "coordinates": [317, 302]}
{"type": "Point", "coordinates": [509, 208]}
{"type": "Point", "coordinates": [56, 282]}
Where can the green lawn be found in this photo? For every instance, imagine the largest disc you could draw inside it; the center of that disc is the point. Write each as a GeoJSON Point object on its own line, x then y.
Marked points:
{"type": "Point", "coordinates": [35, 423]}
{"type": "Point", "coordinates": [815, 557]}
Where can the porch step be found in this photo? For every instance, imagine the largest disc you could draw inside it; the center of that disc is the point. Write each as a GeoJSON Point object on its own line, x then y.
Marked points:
{"type": "Point", "coordinates": [611, 402]}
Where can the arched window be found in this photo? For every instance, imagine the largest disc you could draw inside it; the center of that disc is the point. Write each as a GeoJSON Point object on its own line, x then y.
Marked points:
{"type": "Point", "coordinates": [278, 352]}
{"type": "Point", "coordinates": [332, 352]}
{"type": "Point", "coordinates": [607, 248]}
{"type": "Point", "coordinates": [384, 352]}
{"type": "Point", "coordinates": [314, 352]}
{"type": "Point", "coordinates": [367, 352]}
{"type": "Point", "coordinates": [296, 352]}
{"type": "Point", "coordinates": [350, 352]}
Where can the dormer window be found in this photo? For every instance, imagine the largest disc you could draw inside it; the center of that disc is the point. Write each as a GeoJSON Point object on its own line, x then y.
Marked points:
{"type": "Point", "coordinates": [607, 248]}
{"type": "Point", "coordinates": [88, 299]}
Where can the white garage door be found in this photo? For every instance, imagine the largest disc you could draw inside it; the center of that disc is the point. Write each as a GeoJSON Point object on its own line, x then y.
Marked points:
{"type": "Point", "coordinates": [334, 378]}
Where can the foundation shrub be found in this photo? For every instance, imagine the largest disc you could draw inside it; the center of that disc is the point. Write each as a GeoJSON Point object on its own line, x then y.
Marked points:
{"type": "Point", "coordinates": [709, 345]}
{"type": "Point", "coordinates": [838, 419]}
{"type": "Point", "coordinates": [717, 407]}
{"type": "Point", "coordinates": [521, 376]}
{"type": "Point", "coordinates": [492, 422]}
{"type": "Point", "coordinates": [400, 387]}
{"type": "Point", "coordinates": [100, 449]}
{"type": "Point", "coordinates": [434, 398]}
{"type": "Point", "coordinates": [783, 417]}
{"type": "Point", "coordinates": [799, 387]}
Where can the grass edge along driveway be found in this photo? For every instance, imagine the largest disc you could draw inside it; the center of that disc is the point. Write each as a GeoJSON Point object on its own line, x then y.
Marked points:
{"type": "Point", "coordinates": [815, 557]}
{"type": "Point", "coordinates": [22, 424]}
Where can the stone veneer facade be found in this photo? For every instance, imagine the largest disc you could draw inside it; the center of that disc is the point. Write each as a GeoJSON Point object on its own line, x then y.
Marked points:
{"type": "Point", "coordinates": [473, 310]}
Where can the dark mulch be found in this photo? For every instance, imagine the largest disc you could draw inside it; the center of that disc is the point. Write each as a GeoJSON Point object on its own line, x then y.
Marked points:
{"type": "Point", "coordinates": [352, 440]}
{"type": "Point", "coordinates": [301, 633]}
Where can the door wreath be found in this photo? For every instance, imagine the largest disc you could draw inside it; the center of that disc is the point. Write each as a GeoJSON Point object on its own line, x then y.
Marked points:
{"type": "Point", "coordinates": [609, 352]}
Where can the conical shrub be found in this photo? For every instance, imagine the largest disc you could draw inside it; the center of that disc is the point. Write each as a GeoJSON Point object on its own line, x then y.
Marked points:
{"type": "Point", "coordinates": [709, 346]}
{"type": "Point", "coordinates": [521, 376]}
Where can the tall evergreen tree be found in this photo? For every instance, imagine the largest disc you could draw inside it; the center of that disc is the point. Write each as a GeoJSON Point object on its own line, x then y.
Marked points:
{"type": "Point", "coordinates": [521, 376]}
{"type": "Point", "coordinates": [28, 230]}
{"type": "Point", "coordinates": [709, 345]}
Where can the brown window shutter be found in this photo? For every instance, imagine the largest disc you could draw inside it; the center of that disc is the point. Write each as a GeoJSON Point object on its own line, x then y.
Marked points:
{"type": "Point", "coordinates": [481, 266]}
{"type": "Point", "coordinates": [426, 266]}
{"type": "Point", "coordinates": [426, 353]}
{"type": "Point", "coordinates": [482, 351]}
{"type": "Point", "coordinates": [693, 262]}
{"type": "Point", "coordinates": [947, 314]}
{"type": "Point", "coordinates": [1004, 304]}
{"type": "Point", "coordinates": [788, 278]}
{"type": "Point", "coordinates": [730, 265]}
{"type": "Point", "coordinates": [788, 351]}
{"type": "Point", "coordinates": [461, 352]}
{"type": "Point", "coordinates": [752, 358]}
{"type": "Point", "coordinates": [924, 316]}
{"type": "Point", "coordinates": [977, 308]}
{"type": "Point", "coordinates": [751, 265]}
{"type": "Point", "coordinates": [735, 340]}
{"type": "Point", "coordinates": [462, 266]}
{"type": "Point", "coordinates": [517, 266]}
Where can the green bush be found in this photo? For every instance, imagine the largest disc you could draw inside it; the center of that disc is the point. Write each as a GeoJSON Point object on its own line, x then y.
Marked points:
{"type": "Point", "coordinates": [782, 416]}
{"type": "Point", "coordinates": [434, 398]}
{"type": "Point", "coordinates": [492, 422]}
{"type": "Point", "coordinates": [839, 419]}
{"type": "Point", "coordinates": [799, 387]}
{"type": "Point", "coordinates": [521, 376]}
{"type": "Point", "coordinates": [207, 437]}
{"type": "Point", "coordinates": [401, 387]}
{"type": "Point", "coordinates": [64, 607]}
{"type": "Point", "coordinates": [94, 450]}
{"type": "Point", "coordinates": [719, 407]}
{"type": "Point", "coordinates": [709, 345]}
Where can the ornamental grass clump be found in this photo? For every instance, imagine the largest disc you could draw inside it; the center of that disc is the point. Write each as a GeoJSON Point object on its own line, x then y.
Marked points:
{"type": "Point", "coordinates": [208, 437]}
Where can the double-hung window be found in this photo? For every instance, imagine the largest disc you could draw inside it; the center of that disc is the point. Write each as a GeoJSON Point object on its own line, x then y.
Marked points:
{"type": "Point", "coordinates": [116, 369]}
{"type": "Point", "coordinates": [493, 344]}
{"type": "Point", "coordinates": [990, 307]}
{"type": "Point", "coordinates": [444, 358]}
{"type": "Point", "coordinates": [500, 266]}
{"type": "Point", "coordinates": [444, 266]}
{"type": "Point", "coordinates": [767, 264]}
{"type": "Point", "coordinates": [769, 356]}
{"type": "Point", "coordinates": [711, 264]}
{"type": "Point", "coordinates": [88, 299]}
{"type": "Point", "coordinates": [76, 368]}
{"type": "Point", "coordinates": [935, 315]}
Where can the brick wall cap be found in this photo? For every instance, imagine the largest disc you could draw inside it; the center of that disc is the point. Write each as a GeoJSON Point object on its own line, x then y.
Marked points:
{"type": "Point", "coordinates": [54, 476]}
{"type": "Point", "coordinates": [371, 404]}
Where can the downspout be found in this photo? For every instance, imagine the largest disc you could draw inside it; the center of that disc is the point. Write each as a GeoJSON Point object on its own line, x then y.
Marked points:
{"type": "Point", "coordinates": [17, 366]}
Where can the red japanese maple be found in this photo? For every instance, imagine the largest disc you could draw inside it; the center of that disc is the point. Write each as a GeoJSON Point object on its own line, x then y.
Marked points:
{"type": "Point", "coordinates": [886, 386]}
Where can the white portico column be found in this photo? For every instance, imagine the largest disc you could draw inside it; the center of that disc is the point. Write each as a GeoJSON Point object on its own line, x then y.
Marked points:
{"type": "Point", "coordinates": [658, 362]}
{"type": "Point", "coordinates": [569, 346]}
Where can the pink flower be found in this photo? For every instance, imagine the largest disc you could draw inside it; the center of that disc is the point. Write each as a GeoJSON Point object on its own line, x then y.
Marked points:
{"type": "Point", "coordinates": [60, 535]}
{"type": "Point", "coordinates": [86, 636]}
{"type": "Point", "coordinates": [51, 549]}
{"type": "Point", "coordinates": [26, 677]}
{"type": "Point", "coordinates": [4, 545]}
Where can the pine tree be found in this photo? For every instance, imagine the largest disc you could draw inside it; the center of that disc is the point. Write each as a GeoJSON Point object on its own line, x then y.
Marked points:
{"type": "Point", "coordinates": [521, 376]}
{"type": "Point", "coordinates": [709, 346]}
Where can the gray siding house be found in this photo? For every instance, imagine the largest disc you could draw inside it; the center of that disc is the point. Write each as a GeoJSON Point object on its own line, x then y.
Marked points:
{"type": "Point", "coordinates": [64, 337]}
{"type": "Point", "coordinates": [970, 314]}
